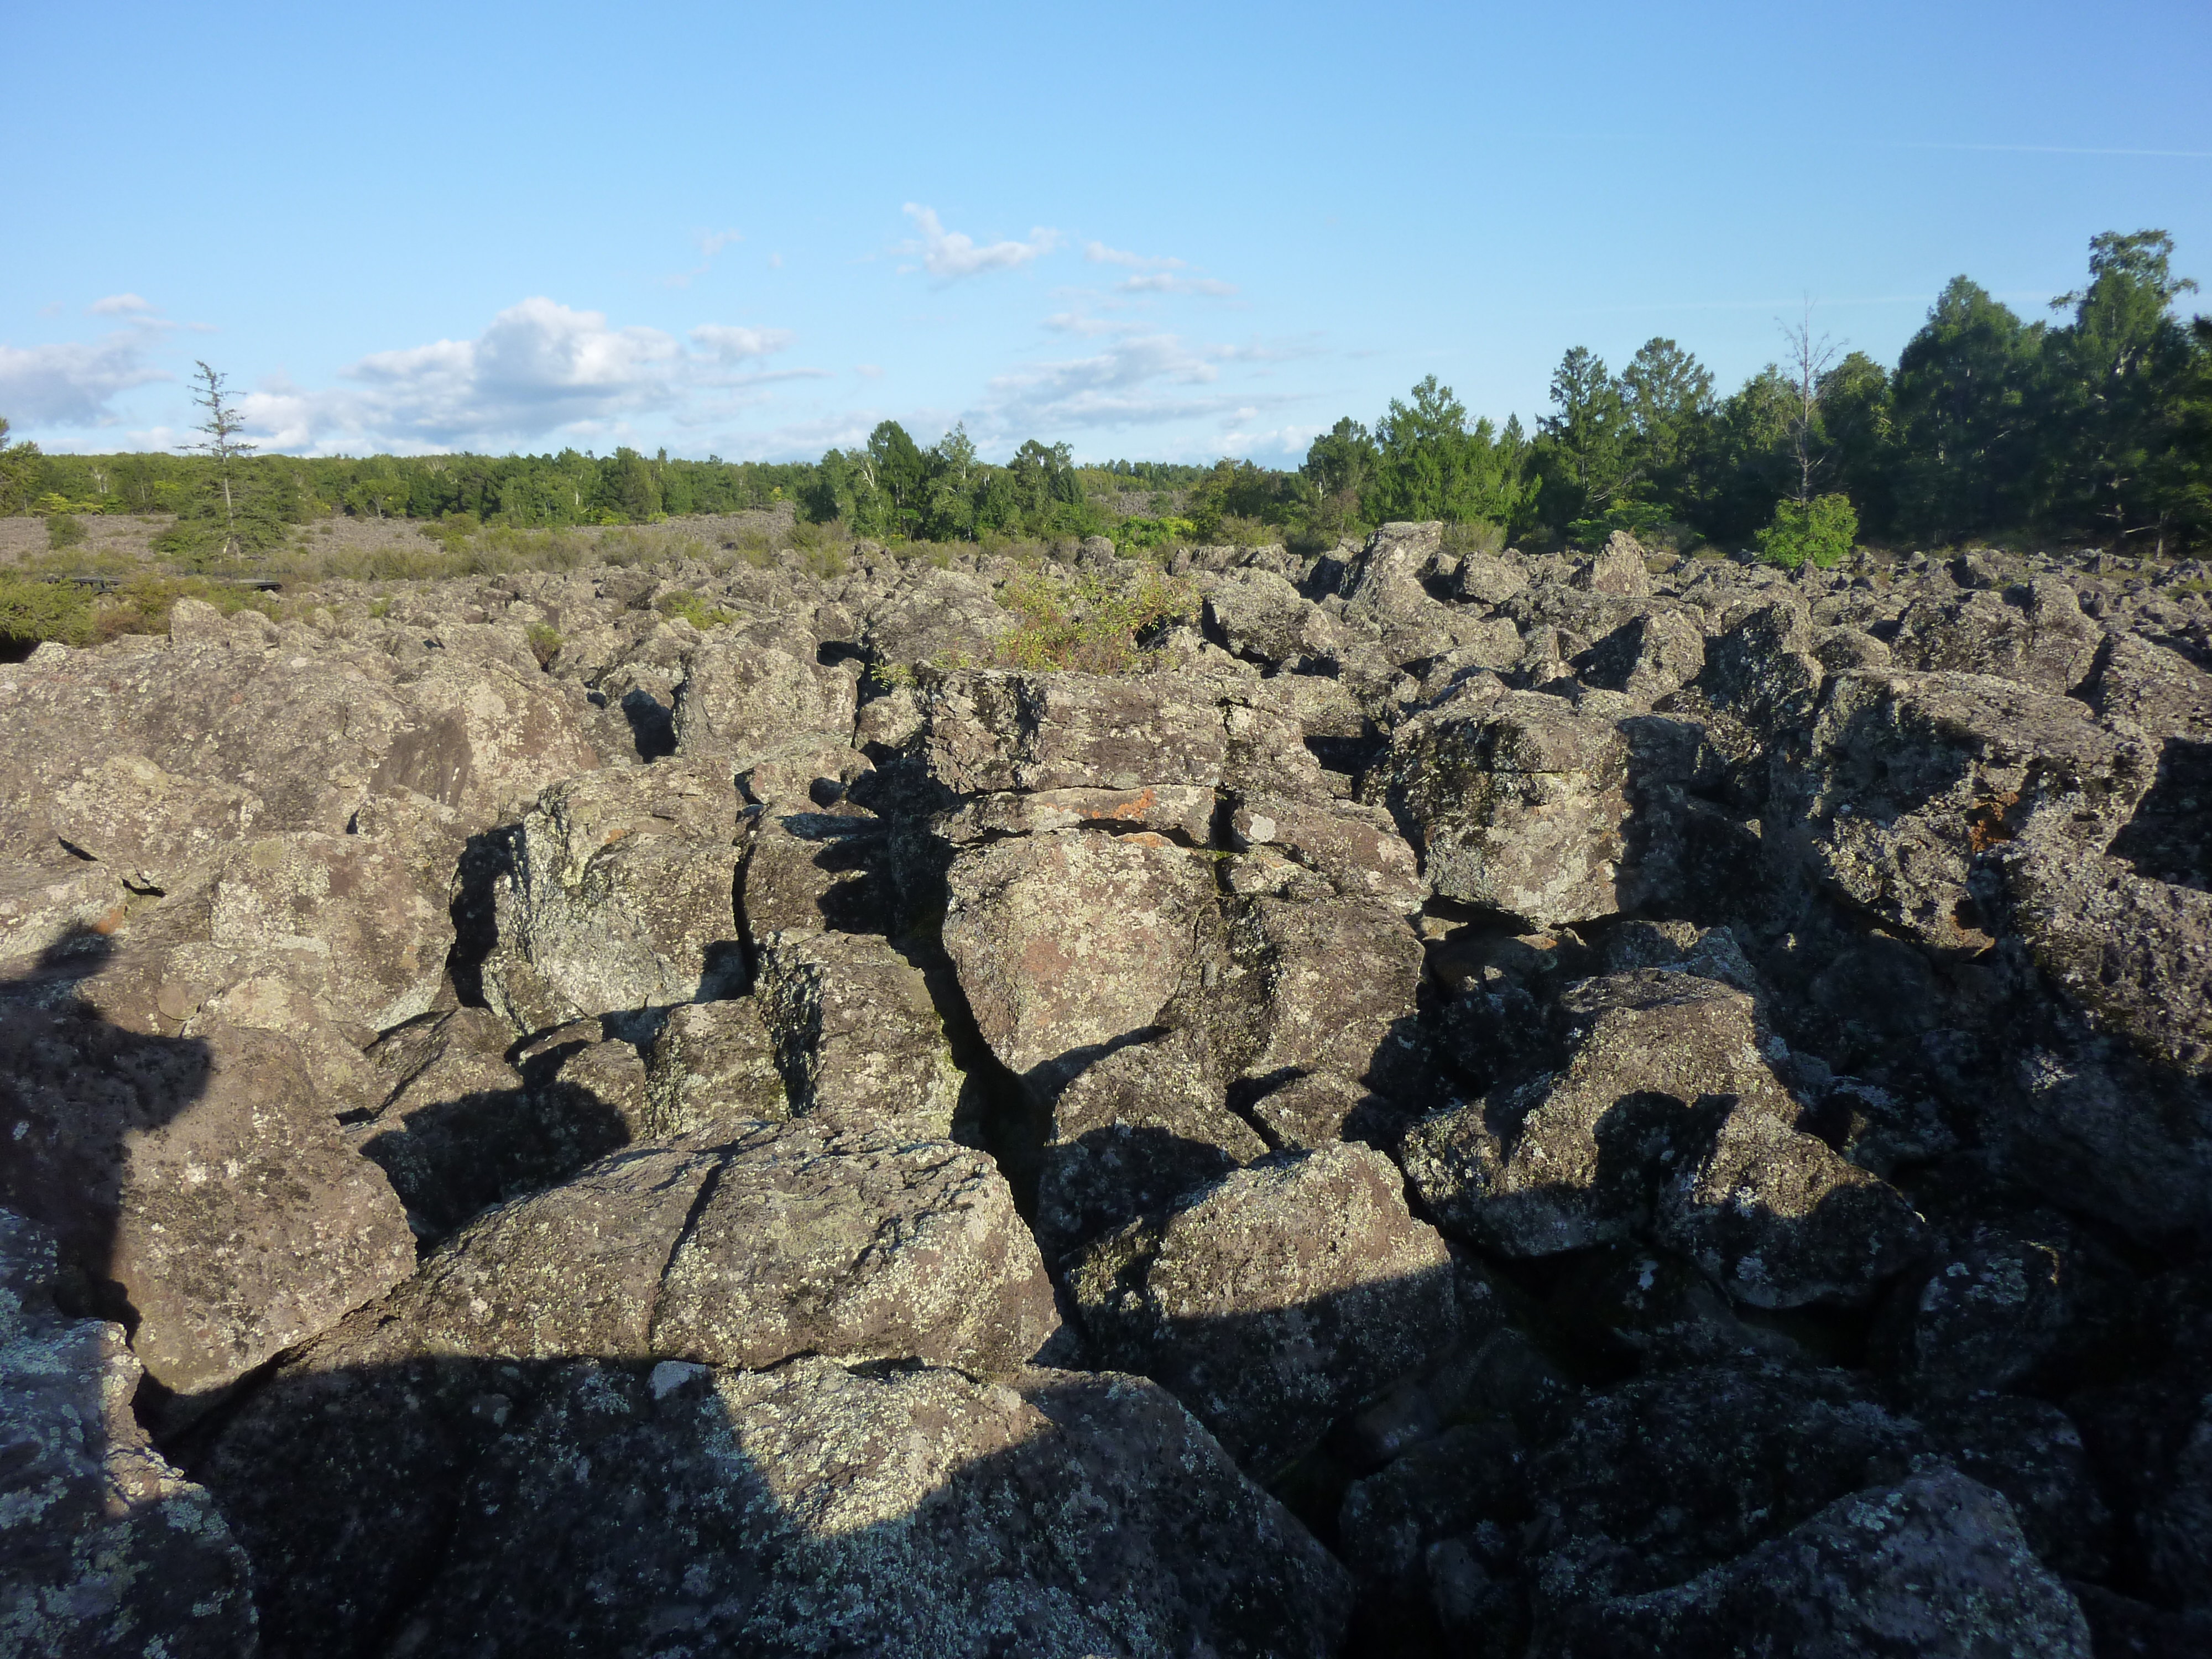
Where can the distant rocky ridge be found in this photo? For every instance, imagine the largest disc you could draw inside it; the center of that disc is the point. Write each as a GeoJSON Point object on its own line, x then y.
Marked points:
{"type": "Point", "coordinates": [1486, 1104]}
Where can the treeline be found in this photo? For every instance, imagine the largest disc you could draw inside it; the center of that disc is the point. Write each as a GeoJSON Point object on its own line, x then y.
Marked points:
{"type": "Point", "coordinates": [523, 490]}
{"type": "Point", "coordinates": [2094, 428]}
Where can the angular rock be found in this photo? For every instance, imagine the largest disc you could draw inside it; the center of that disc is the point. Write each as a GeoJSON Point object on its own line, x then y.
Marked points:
{"type": "Point", "coordinates": [933, 617]}
{"type": "Point", "coordinates": [807, 872]}
{"type": "Point", "coordinates": [1183, 813]}
{"type": "Point", "coordinates": [1648, 656]}
{"type": "Point", "coordinates": [1912, 777]}
{"type": "Point", "coordinates": [857, 1248]}
{"type": "Point", "coordinates": [47, 912]}
{"type": "Point", "coordinates": [712, 1062]}
{"type": "Point", "coordinates": [1935, 1565]}
{"type": "Point", "coordinates": [2136, 955]}
{"type": "Point", "coordinates": [1515, 801]}
{"type": "Point", "coordinates": [1069, 941]}
{"type": "Point", "coordinates": [1742, 1453]}
{"type": "Point", "coordinates": [1618, 567]}
{"type": "Point", "coordinates": [619, 894]}
{"type": "Point", "coordinates": [995, 731]}
{"type": "Point", "coordinates": [1357, 848]}
{"type": "Point", "coordinates": [810, 1510]}
{"type": "Point", "coordinates": [1666, 1121]}
{"type": "Point", "coordinates": [1280, 1300]}
{"type": "Point", "coordinates": [1140, 1128]}
{"type": "Point", "coordinates": [145, 825]}
{"type": "Point", "coordinates": [346, 916]}
{"type": "Point", "coordinates": [1319, 984]}
{"type": "Point", "coordinates": [105, 1548]}
{"type": "Point", "coordinates": [741, 698]}
{"type": "Point", "coordinates": [856, 1035]}
{"type": "Point", "coordinates": [1262, 618]}
{"type": "Point", "coordinates": [2036, 635]}
{"type": "Point", "coordinates": [200, 1181]}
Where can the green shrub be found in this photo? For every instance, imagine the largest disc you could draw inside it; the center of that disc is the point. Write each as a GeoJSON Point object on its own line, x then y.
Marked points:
{"type": "Point", "coordinates": [544, 643]}
{"type": "Point", "coordinates": [64, 530]}
{"type": "Point", "coordinates": [1083, 624]}
{"type": "Point", "coordinates": [32, 612]}
{"type": "Point", "coordinates": [142, 604]}
{"type": "Point", "coordinates": [1474, 536]}
{"type": "Point", "coordinates": [1821, 530]}
{"type": "Point", "coordinates": [694, 610]}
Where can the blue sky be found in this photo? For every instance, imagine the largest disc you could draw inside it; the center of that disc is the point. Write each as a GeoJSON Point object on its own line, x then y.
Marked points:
{"type": "Point", "coordinates": [1169, 231]}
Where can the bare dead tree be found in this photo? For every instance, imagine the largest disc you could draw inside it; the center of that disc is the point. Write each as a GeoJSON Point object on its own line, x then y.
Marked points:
{"type": "Point", "coordinates": [222, 426]}
{"type": "Point", "coordinates": [1811, 359]}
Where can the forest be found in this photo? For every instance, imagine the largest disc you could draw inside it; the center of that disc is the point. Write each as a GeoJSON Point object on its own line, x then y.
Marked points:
{"type": "Point", "coordinates": [2091, 429]}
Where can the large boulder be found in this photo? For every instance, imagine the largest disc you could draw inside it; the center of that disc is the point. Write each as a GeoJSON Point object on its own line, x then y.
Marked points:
{"type": "Point", "coordinates": [1275, 1301]}
{"type": "Point", "coordinates": [1935, 1565]}
{"type": "Point", "coordinates": [618, 893]}
{"type": "Point", "coordinates": [1515, 801]}
{"type": "Point", "coordinates": [812, 1510]}
{"type": "Point", "coordinates": [933, 617]}
{"type": "Point", "coordinates": [106, 1549]}
{"type": "Point", "coordinates": [741, 697]}
{"type": "Point", "coordinates": [1140, 1129]}
{"type": "Point", "coordinates": [201, 1182]}
{"type": "Point", "coordinates": [1911, 778]}
{"type": "Point", "coordinates": [855, 1034]}
{"type": "Point", "coordinates": [1072, 941]}
{"type": "Point", "coordinates": [996, 731]}
{"type": "Point", "coordinates": [1262, 618]}
{"type": "Point", "coordinates": [2035, 634]}
{"type": "Point", "coordinates": [1666, 1121]}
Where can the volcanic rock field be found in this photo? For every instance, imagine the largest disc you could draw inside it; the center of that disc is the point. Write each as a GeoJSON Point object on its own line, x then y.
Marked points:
{"type": "Point", "coordinates": [1482, 1104]}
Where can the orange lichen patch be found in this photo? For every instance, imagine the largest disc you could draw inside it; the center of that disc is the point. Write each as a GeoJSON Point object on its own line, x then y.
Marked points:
{"type": "Point", "coordinates": [1149, 838]}
{"type": "Point", "coordinates": [110, 922]}
{"type": "Point", "coordinates": [615, 835]}
{"type": "Point", "coordinates": [1136, 806]}
{"type": "Point", "coordinates": [1985, 823]}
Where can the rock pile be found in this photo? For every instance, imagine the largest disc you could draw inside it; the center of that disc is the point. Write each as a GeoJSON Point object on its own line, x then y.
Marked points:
{"type": "Point", "coordinates": [1485, 1104]}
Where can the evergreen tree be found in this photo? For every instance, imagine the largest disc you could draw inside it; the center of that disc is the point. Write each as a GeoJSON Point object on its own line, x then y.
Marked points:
{"type": "Point", "coordinates": [1961, 397]}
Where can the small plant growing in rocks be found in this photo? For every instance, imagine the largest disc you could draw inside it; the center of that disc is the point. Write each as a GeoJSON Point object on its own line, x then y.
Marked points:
{"type": "Point", "coordinates": [1821, 530]}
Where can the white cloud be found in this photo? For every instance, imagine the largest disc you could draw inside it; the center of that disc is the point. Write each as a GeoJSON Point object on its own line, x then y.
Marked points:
{"type": "Point", "coordinates": [1099, 254]}
{"type": "Point", "coordinates": [869, 371]}
{"type": "Point", "coordinates": [1160, 282]}
{"type": "Point", "coordinates": [709, 243]}
{"type": "Point", "coordinates": [949, 255]}
{"type": "Point", "coordinates": [730, 343]}
{"type": "Point", "coordinates": [72, 382]}
{"type": "Point", "coordinates": [119, 304]}
{"type": "Point", "coordinates": [538, 369]}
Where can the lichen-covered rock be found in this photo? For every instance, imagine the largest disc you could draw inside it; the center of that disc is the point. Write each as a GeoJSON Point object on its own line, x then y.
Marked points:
{"type": "Point", "coordinates": [1276, 1302]}
{"type": "Point", "coordinates": [2035, 634]}
{"type": "Point", "coordinates": [145, 825]}
{"type": "Point", "coordinates": [810, 1510]}
{"type": "Point", "coordinates": [741, 697]}
{"type": "Point", "coordinates": [1515, 800]}
{"type": "Point", "coordinates": [1139, 1129]}
{"type": "Point", "coordinates": [1356, 849]}
{"type": "Point", "coordinates": [1742, 1453]}
{"type": "Point", "coordinates": [856, 1036]}
{"type": "Point", "coordinates": [2135, 954]}
{"type": "Point", "coordinates": [712, 1062]}
{"type": "Point", "coordinates": [1182, 812]}
{"type": "Point", "coordinates": [808, 871]}
{"type": "Point", "coordinates": [619, 894]}
{"type": "Point", "coordinates": [858, 1247]}
{"type": "Point", "coordinates": [1934, 1566]}
{"type": "Point", "coordinates": [1316, 984]}
{"type": "Point", "coordinates": [992, 730]}
{"type": "Point", "coordinates": [1912, 777]}
{"type": "Point", "coordinates": [1647, 656]}
{"type": "Point", "coordinates": [1666, 1121]}
{"type": "Point", "coordinates": [106, 1549]}
{"type": "Point", "coordinates": [344, 915]}
{"type": "Point", "coordinates": [1262, 618]}
{"type": "Point", "coordinates": [933, 617]}
{"type": "Point", "coordinates": [201, 1180]}
{"type": "Point", "coordinates": [1072, 941]}
{"type": "Point", "coordinates": [48, 911]}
